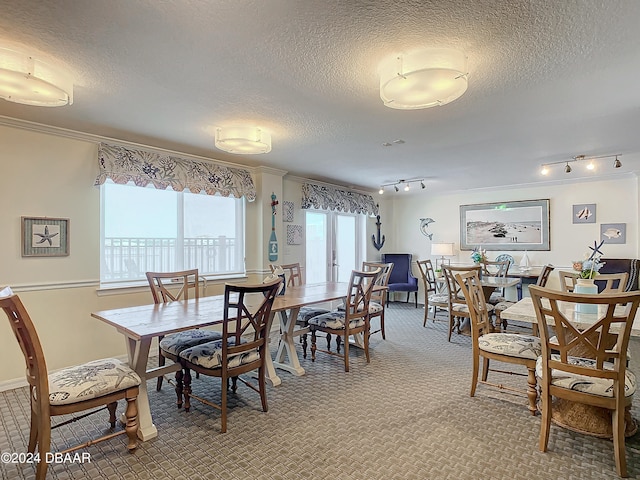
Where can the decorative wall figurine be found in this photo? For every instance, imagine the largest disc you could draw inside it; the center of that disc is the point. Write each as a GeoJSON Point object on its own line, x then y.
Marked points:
{"type": "Point", "coordinates": [379, 242]}
{"type": "Point", "coordinates": [424, 224]}
{"type": "Point", "coordinates": [273, 241]}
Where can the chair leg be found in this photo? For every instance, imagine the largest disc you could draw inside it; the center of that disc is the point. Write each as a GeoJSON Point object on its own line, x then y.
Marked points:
{"type": "Point", "coordinates": [44, 445]}
{"type": "Point", "coordinates": [426, 309]}
{"type": "Point", "coordinates": [474, 373]}
{"type": "Point", "coordinates": [33, 433]}
{"type": "Point", "coordinates": [131, 414]}
{"type": "Point", "coordinates": [329, 341]}
{"type": "Point", "coordinates": [366, 338]}
{"type": "Point", "coordinates": [179, 387]}
{"type": "Point", "coordinates": [451, 320]}
{"type": "Point", "coordinates": [234, 384]}
{"type": "Point", "coordinates": [339, 341]}
{"type": "Point", "coordinates": [161, 362]}
{"type": "Point", "coordinates": [415, 298]}
{"type": "Point", "coordinates": [112, 407]}
{"type": "Point", "coordinates": [223, 406]}
{"type": "Point", "coordinates": [263, 388]}
{"type": "Point", "coordinates": [532, 393]}
{"type": "Point", "coordinates": [617, 418]}
{"type": "Point", "coordinates": [187, 390]}
{"type": "Point", "coordinates": [545, 423]}
{"type": "Point", "coordinates": [303, 339]}
{"type": "Point", "coordinates": [485, 368]}
{"type": "Point", "coordinates": [346, 351]}
{"type": "Point", "coordinates": [313, 345]}
{"type": "Point", "coordinates": [384, 337]}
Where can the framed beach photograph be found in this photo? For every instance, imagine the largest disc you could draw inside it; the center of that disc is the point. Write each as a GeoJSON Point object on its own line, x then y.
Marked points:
{"type": "Point", "coordinates": [520, 225]}
{"type": "Point", "coordinates": [45, 237]}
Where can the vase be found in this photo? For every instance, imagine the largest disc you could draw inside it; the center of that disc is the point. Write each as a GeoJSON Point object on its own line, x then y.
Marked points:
{"type": "Point", "coordinates": [587, 286]}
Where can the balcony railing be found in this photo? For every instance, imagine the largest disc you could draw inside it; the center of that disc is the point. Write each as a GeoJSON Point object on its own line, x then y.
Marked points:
{"type": "Point", "coordinates": [130, 258]}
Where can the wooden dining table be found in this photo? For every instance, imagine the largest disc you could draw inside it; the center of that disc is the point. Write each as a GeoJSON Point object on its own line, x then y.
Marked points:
{"type": "Point", "coordinates": [141, 324]}
{"type": "Point", "coordinates": [573, 415]}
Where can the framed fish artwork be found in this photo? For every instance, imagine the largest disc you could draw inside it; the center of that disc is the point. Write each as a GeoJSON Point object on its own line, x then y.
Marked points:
{"type": "Point", "coordinates": [584, 213]}
{"type": "Point", "coordinates": [613, 232]}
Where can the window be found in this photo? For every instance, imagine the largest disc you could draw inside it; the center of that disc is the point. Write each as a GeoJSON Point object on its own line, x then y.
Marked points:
{"type": "Point", "coordinates": [145, 229]}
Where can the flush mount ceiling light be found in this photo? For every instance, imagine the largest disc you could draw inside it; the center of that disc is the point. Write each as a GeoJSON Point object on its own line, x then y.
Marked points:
{"type": "Point", "coordinates": [30, 81]}
{"type": "Point", "coordinates": [243, 140]}
{"type": "Point", "coordinates": [423, 79]}
{"type": "Point", "coordinates": [579, 158]}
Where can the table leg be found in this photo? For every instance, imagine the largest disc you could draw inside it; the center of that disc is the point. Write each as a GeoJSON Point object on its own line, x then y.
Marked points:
{"type": "Point", "coordinates": [138, 351]}
{"type": "Point", "coordinates": [287, 346]}
{"type": "Point", "coordinates": [271, 376]}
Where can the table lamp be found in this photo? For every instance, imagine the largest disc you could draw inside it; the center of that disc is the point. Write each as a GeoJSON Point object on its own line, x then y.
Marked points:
{"type": "Point", "coordinates": [442, 249]}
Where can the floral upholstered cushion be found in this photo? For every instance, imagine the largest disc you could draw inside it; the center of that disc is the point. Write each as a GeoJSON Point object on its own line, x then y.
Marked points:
{"type": "Point", "coordinates": [90, 380]}
{"type": "Point", "coordinates": [496, 298]}
{"type": "Point", "coordinates": [334, 320]}
{"type": "Point", "coordinates": [511, 344]}
{"type": "Point", "coordinates": [584, 383]}
{"type": "Point", "coordinates": [439, 298]}
{"type": "Point", "coordinates": [460, 307]}
{"type": "Point", "coordinates": [177, 342]}
{"type": "Point", "coordinates": [307, 313]}
{"type": "Point", "coordinates": [209, 355]}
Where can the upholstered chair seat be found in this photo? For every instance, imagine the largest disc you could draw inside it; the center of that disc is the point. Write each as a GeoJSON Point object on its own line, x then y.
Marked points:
{"type": "Point", "coordinates": [335, 320]}
{"type": "Point", "coordinates": [175, 343]}
{"type": "Point", "coordinates": [511, 344]}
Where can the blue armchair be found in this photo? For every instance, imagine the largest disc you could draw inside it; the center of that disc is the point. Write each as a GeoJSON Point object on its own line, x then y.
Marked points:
{"type": "Point", "coordinates": [401, 278]}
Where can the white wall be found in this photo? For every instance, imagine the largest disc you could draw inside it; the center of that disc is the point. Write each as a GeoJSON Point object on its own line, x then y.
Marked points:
{"type": "Point", "coordinates": [616, 202]}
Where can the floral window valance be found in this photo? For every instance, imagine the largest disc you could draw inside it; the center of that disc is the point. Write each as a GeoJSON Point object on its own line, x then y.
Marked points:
{"type": "Point", "coordinates": [122, 164]}
{"type": "Point", "coordinates": [331, 198]}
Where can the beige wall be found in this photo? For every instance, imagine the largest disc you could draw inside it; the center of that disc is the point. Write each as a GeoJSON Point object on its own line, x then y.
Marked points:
{"type": "Point", "coordinates": [51, 175]}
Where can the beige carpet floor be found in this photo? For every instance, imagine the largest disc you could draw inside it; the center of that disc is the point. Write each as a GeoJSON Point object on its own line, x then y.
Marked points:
{"type": "Point", "coordinates": [406, 415]}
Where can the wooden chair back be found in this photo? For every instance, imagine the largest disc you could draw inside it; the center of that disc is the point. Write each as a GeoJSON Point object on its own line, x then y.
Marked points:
{"type": "Point", "coordinates": [454, 289]}
{"type": "Point", "coordinates": [379, 296]}
{"type": "Point", "coordinates": [359, 295]}
{"type": "Point", "coordinates": [568, 280]}
{"type": "Point", "coordinates": [471, 288]}
{"type": "Point", "coordinates": [163, 285]}
{"type": "Point", "coordinates": [292, 273]}
{"type": "Point", "coordinates": [611, 282]}
{"type": "Point", "coordinates": [428, 276]}
{"type": "Point", "coordinates": [495, 268]}
{"type": "Point", "coordinates": [25, 332]}
{"type": "Point", "coordinates": [544, 275]}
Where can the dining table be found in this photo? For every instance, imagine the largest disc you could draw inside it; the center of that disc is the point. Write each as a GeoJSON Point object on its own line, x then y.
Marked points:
{"type": "Point", "coordinates": [141, 324]}
{"type": "Point", "coordinates": [575, 416]}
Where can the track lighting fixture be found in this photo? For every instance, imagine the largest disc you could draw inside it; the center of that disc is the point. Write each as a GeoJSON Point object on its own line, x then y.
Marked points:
{"type": "Point", "coordinates": [404, 183]}
{"type": "Point", "coordinates": [591, 165]}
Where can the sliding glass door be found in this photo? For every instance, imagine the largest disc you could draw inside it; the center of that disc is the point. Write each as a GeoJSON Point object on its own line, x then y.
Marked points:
{"type": "Point", "coordinates": [334, 245]}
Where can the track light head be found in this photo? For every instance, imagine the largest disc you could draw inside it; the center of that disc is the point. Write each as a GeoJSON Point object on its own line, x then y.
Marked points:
{"type": "Point", "coordinates": [422, 185]}
{"type": "Point", "coordinates": [617, 163]}
{"type": "Point", "coordinates": [381, 191]}
{"type": "Point", "coordinates": [567, 168]}
{"type": "Point", "coordinates": [396, 187]}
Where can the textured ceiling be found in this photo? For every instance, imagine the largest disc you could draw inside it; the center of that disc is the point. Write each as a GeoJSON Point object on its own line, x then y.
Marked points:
{"type": "Point", "coordinates": [548, 80]}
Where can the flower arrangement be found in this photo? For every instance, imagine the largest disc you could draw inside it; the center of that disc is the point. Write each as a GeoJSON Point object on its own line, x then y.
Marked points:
{"type": "Point", "coordinates": [590, 267]}
{"type": "Point", "coordinates": [478, 255]}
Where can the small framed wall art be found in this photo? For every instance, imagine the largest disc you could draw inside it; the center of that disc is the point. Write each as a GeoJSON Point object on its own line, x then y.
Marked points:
{"type": "Point", "coordinates": [613, 232]}
{"type": "Point", "coordinates": [584, 213]}
{"type": "Point", "coordinates": [45, 237]}
{"type": "Point", "coordinates": [294, 234]}
{"type": "Point", "coordinates": [287, 211]}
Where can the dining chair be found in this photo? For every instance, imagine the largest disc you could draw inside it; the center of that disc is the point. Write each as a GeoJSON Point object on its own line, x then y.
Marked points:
{"type": "Point", "coordinates": [293, 276]}
{"type": "Point", "coordinates": [502, 306]}
{"type": "Point", "coordinates": [457, 303]}
{"type": "Point", "coordinates": [378, 298]}
{"type": "Point", "coordinates": [568, 280]}
{"type": "Point", "coordinates": [170, 287]}
{"type": "Point", "coordinates": [433, 298]}
{"type": "Point", "coordinates": [241, 349]}
{"type": "Point", "coordinates": [99, 383]}
{"type": "Point", "coordinates": [611, 282]}
{"type": "Point", "coordinates": [503, 347]}
{"type": "Point", "coordinates": [498, 269]}
{"type": "Point", "coordinates": [351, 320]}
{"type": "Point", "coordinates": [586, 362]}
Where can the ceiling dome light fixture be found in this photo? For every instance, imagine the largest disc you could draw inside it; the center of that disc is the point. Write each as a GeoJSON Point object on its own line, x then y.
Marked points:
{"type": "Point", "coordinates": [243, 140]}
{"type": "Point", "coordinates": [423, 79]}
{"type": "Point", "coordinates": [30, 81]}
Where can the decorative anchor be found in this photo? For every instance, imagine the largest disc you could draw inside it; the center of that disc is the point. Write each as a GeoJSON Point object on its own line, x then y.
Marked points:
{"type": "Point", "coordinates": [273, 241]}
{"type": "Point", "coordinates": [424, 224]}
{"type": "Point", "coordinates": [378, 244]}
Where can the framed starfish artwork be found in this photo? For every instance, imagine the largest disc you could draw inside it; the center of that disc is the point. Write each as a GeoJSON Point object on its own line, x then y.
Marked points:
{"type": "Point", "coordinates": [45, 237]}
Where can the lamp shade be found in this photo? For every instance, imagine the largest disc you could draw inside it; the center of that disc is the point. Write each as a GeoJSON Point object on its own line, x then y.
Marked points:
{"type": "Point", "coordinates": [423, 79]}
{"type": "Point", "coordinates": [243, 140]}
{"type": "Point", "coordinates": [442, 249]}
{"type": "Point", "coordinates": [30, 81]}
